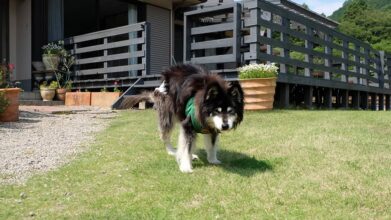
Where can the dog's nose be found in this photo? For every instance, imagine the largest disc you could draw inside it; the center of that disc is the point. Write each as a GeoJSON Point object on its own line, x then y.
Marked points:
{"type": "Point", "coordinates": [225, 127]}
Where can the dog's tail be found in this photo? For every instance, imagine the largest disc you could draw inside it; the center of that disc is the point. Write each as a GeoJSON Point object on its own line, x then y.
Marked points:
{"type": "Point", "coordinates": [131, 101]}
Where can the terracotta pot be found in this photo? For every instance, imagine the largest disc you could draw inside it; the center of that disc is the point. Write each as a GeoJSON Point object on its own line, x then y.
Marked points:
{"type": "Point", "coordinates": [51, 62]}
{"type": "Point", "coordinates": [77, 98]}
{"type": "Point", "coordinates": [47, 94]}
{"type": "Point", "coordinates": [104, 99]}
{"type": "Point", "coordinates": [259, 93]}
{"type": "Point", "coordinates": [11, 113]}
{"type": "Point", "coordinates": [60, 94]}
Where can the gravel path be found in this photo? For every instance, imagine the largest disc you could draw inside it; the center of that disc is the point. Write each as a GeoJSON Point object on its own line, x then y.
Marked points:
{"type": "Point", "coordinates": [40, 142]}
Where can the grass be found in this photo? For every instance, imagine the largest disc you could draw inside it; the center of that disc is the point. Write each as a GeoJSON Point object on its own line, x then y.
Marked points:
{"type": "Point", "coordinates": [276, 165]}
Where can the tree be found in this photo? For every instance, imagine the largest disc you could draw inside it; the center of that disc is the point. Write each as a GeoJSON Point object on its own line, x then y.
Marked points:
{"type": "Point", "coordinates": [369, 25]}
{"type": "Point", "coordinates": [304, 5]}
{"type": "Point", "coordinates": [355, 9]}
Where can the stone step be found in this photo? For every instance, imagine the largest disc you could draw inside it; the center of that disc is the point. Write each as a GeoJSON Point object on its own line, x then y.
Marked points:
{"type": "Point", "coordinates": [41, 103]}
{"type": "Point", "coordinates": [34, 95]}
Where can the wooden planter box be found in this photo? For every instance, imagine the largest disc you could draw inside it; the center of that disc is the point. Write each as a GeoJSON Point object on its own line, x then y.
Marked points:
{"type": "Point", "coordinates": [258, 93]}
{"type": "Point", "coordinates": [104, 99]}
{"type": "Point", "coordinates": [77, 98]}
{"type": "Point", "coordinates": [11, 113]}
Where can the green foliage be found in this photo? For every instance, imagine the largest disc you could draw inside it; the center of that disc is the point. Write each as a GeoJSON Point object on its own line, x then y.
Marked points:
{"type": "Point", "coordinates": [354, 10]}
{"type": "Point", "coordinates": [104, 89]}
{"type": "Point", "coordinates": [116, 89]}
{"type": "Point", "coordinates": [370, 26]}
{"type": "Point", "coordinates": [368, 21]}
{"type": "Point", "coordinates": [372, 4]}
{"type": "Point", "coordinates": [52, 85]}
{"type": "Point", "coordinates": [254, 71]}
{"type": "Point", "coordinates": [3, 102]}
{"type": "Point", "coordinates": [53, 48]}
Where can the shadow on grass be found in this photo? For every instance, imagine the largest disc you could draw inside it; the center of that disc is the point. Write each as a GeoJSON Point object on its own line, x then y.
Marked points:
{"type": "Point", "coordinates": [238, 163]}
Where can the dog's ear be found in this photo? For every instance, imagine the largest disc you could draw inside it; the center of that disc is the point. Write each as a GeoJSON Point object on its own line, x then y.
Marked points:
{"type": "Point", "coordinates": [211, 93]}
{"type": "Point", "coordinates": [236, 92]}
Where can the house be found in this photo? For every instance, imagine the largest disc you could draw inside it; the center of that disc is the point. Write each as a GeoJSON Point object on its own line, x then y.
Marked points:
{"type": "Point", "coordinates": [28, 25]}
{"type": "Point", "coordinates": [127, 43]}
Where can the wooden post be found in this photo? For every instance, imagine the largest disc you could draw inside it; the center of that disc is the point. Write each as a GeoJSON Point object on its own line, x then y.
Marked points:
{"type": "Point", "coordinates": [309, 45]}
{"type": "Point", "coordinates": [269, 34]}
{"type": "Point", "coordinates": [308, 95]}
{"type": "Point", "coordinates": [284, 95]}
{"type": "Point", "coordinates": [255, 29]}
{"type": "Point", "coordinates": [373, 101]}
{"type": "Point", "coordinates": [105, 53]}
{"type": "Point", "coordinates": [381, 102]}
{"type": "Point", "coordinates": [345, 98]}
{"type": "Point", "coordinates": [356, 99]}
{"type": "Point", "coordinates": [345, 55]}
{"type": "Point", "coordinates": [328, 51]}
{"type": "Point", "coordinates": [364, 100]}
{"type": "Point", "coordinates": [285, 39]}
{"type": "Point", "coordinates": [388, 102]}
{"type": "Point", "coordinates": [328, 98]}
{"type": "Point", "coordinates": [357, 61]}
{"type": "Point", "coordinates": [338, 98]}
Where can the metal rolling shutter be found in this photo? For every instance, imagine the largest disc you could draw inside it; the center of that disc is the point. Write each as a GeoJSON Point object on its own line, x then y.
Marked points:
{"type": "Point", "coordinates": [160, 45]}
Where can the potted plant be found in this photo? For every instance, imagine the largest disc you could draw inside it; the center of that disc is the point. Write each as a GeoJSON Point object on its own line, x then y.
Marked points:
{"type": "Point", "coordinates": [259, 83]}
{"type": "Point", "coordinates": [105, 98]}
{"type": "Point", "coordinates": [63, 74]}
{"type": "Point", "coordinates": [51, 55]}
{"type": "Point", "coordinates": [9, 94]}
{"type": "Point", "coordinates": [78, 98]}
{"type": "Point", "coordinates": [48, 91]}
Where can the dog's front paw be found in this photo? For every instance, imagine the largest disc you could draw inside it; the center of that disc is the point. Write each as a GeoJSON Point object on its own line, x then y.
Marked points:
{"type": "Point", "coordinates": [185, 168]}
{"type": "Point", "coordinates": [214, 161]}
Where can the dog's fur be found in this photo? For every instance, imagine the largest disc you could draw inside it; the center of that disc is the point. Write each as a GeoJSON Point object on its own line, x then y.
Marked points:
{"type": "Point", "coordinates": [218, 107]}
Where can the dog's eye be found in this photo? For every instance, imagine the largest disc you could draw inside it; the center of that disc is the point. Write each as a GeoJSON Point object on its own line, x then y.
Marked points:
{"type": "Point", "coordinates": [230, 110]}
{"type": "Point", "coordinates": [217, 110]}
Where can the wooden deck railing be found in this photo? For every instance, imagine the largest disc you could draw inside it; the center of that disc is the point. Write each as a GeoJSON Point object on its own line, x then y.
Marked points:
{"type": "Point", "coordinates": [111, 58]}
{"type": "Point", "coordinates": [309, 53]}
{"type": "Point", "coordinates": [328, 54]}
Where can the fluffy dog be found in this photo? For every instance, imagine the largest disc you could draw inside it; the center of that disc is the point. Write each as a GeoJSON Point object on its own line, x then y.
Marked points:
{"type": "Point", "coordinates": [201, 102]}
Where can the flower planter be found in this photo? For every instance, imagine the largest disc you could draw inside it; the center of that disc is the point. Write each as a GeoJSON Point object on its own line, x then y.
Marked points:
{"type": "Point", "coordinates": [60, 94]}
{"type": "Point", "coordinates": [77, 98]}
{"type": "Point", "coordinates": [51, 62]}
{"type": "Point", "coordinates": [104, 99]}
{"type": "Point", "coordinates": [11, 113]}
{"type": "Point", "coordinates": [258, 93]}
{"type": "Point", "coordinates": [47, 94]}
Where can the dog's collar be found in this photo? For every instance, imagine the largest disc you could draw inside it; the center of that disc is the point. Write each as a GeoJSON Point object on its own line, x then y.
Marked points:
{"type": "Point", "coordinates": [190, 112]}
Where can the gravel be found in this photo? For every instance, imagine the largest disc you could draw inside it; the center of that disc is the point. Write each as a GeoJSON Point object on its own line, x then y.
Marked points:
{"type": "Point", "coordinates": [40, 142]}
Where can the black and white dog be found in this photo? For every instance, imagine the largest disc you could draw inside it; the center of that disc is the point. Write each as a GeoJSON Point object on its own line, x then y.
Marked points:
{"type": "Point", "coordinates": [201, 102]}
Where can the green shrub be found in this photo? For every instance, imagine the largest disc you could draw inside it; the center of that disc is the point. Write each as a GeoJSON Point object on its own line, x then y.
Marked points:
{"type": "Point", "coordinates": [3, 102]}
{"type": "Point", "coordinates": [252, 71]}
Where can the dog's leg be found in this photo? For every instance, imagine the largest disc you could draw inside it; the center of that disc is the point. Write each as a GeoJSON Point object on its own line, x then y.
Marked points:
{"type": "Point", "coordinates": [210, 141]}
{"type": "Point", "coordinates": [166, 138]}
{"type": "Point", "coordinates": [164, 106]}
{"type": "Point", "coordinates": [186, 145]}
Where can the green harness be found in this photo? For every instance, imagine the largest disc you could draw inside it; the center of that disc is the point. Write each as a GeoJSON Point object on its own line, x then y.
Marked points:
{"type": "Point", "coordinates": [190, 111]}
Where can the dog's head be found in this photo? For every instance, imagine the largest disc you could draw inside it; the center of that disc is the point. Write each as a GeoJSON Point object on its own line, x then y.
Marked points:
{"type": "Point", "coordinates": [222, 107]}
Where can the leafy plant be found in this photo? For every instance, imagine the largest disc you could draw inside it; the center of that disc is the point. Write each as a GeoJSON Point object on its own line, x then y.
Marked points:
{"type": "Point", "coordinates": [252, 71]}
{"type": "Point", "coordinates": [63, 74]}
{"type": "Point", "coordinates": [6, 70]}
{"type": "Point", "coordinates": [68, 84]}
{"type": "Point", "coordinates": [104, 89]}
{"type": "Point", "coordinates": [116, 89]}
{"type": "Point", "coordinates": [53, 48]}
{"type": "Point", "coordinates": [52, 85]}
{"type": "Point", "coordinates": [3, 102]}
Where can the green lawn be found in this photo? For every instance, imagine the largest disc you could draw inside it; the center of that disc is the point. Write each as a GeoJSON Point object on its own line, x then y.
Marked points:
{"type": "Point", "coordinates": [276, 165]}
